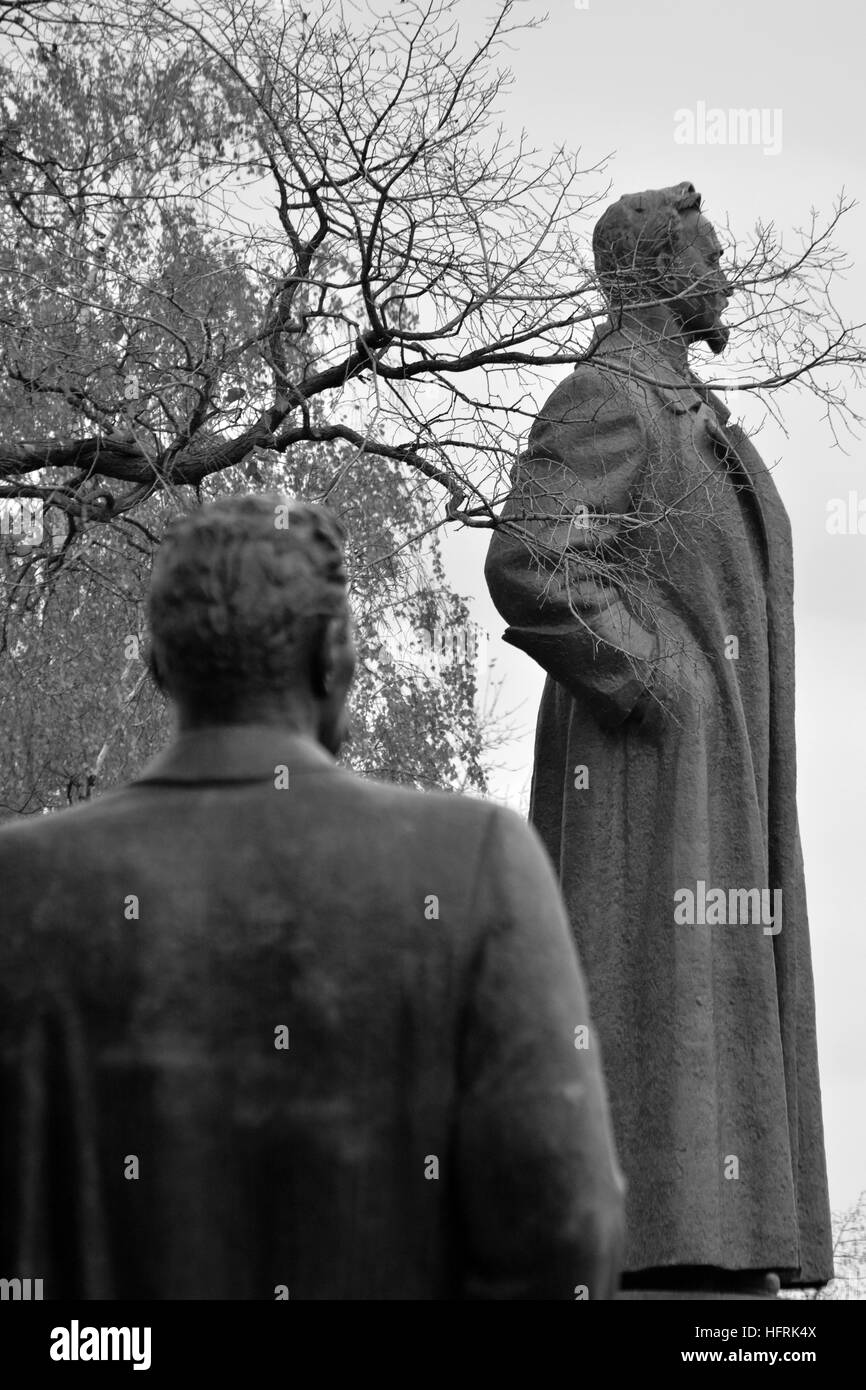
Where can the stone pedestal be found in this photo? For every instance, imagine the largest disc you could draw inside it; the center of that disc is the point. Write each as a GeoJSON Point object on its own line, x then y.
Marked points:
{"type": "Point", "coordinates": [681, 1283]}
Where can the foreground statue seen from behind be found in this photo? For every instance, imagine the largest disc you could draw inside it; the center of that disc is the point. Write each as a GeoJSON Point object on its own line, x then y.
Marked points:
{"type": "Point", "coordinates": [250, 1002]}
{"type": "Point", "coordinates": [644, 560]}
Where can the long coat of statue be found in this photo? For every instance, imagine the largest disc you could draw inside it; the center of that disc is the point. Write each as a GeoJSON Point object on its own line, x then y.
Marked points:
{"type": "Point", "coordinates": [656, 592]}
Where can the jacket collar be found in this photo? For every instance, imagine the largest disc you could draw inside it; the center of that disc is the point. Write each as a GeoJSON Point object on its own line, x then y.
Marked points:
{"type": "Point", "coordinates": [645, 362]}
{"type": "Point", "coordinates": [235, 753]}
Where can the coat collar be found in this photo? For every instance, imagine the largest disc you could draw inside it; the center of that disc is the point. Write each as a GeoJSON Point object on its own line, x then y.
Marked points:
{"type": "Point", "coordinates": [235, 753]}
{"type": "Point", "coordinates": [642, 361]}
{"type": "Point", "coordinates": [646, 363]}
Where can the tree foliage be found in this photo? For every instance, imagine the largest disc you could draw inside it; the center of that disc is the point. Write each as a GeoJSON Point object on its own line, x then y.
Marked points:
{"type": "Point", "coordinates": [383, 265]}
{"type": "Point", "coordinates": [85, 342]}
{"type": "Point", "coordinates": [242, 242]}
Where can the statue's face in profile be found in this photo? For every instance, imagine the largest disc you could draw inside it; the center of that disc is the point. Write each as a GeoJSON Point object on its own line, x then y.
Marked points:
{"type": "Point", "coordinates": [694, 275]}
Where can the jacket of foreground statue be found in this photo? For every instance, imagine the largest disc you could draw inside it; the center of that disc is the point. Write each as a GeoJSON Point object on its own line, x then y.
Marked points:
{"type": "Point", "coordinates": [665, 761]}
{"type": "Point", "coordinates": [426, 1128]}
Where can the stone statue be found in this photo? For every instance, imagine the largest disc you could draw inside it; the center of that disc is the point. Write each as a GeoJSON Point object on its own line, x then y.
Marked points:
{"type": "Point", "coordinates": [269, 1030]}
{"type": "Point", "coordinates": [643, 558]}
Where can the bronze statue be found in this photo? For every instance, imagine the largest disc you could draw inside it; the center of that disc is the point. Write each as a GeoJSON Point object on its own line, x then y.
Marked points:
{"type": "Point", "coordinates": [643, 558]}
{"type": "Point", "coordinates": [269, 1030]}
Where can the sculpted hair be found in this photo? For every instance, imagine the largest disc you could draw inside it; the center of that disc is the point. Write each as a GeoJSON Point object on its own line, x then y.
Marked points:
{"type": "Point", "coordinates": [237, 599]}
{"type": "Point", "coordinates": [632, 232]}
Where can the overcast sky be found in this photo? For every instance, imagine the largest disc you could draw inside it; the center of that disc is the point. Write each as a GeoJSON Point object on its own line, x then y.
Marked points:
{"type": "Point", "coordinates": [609, 77]}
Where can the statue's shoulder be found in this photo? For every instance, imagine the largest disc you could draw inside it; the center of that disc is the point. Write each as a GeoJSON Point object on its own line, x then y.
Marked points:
{"type": "Point", "coordinates": [589, 377]}
{"type": "Point", "coordinates": [594, 391]}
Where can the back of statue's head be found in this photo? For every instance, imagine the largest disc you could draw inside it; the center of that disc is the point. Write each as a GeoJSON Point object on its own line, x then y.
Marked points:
{"type": "Point", "coordinates": [241, 589]}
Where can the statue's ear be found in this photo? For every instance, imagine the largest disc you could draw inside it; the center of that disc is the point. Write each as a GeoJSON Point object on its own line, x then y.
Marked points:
{"type": "Point", "coordinates": [665, 262]}
{"type": "Point", "coordinates": [332, 656]}
{"type": "Point", "coordinates": [152, 665]}
{"type": "Point", "coordinates": [322, 658]}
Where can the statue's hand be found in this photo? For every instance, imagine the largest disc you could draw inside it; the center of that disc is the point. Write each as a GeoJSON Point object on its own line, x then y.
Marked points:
{"type": "Point", "coordinates": [679, 687]}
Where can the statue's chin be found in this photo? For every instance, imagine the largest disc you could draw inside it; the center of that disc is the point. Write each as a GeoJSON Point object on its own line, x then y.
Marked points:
{"type": "Point", "coordinates": [717, 338]}
{"type": "Point", "coordinates": [702, 323]}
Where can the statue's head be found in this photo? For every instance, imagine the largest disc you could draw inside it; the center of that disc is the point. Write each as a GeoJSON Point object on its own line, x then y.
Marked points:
{"type": "Point", "coordinates": [248, 614]}
{"type": "Point", "coordinates": [657, 247]}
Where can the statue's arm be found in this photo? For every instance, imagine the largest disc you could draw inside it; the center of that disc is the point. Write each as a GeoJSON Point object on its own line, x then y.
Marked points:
{"type": "Point", "coordinates": [539, 1190]}
{"type": "Point", "coordinates": [561, 584]}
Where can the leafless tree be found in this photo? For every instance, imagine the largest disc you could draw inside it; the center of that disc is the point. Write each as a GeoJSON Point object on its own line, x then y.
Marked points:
{"type": "Point", "coordinates": [308, 226]}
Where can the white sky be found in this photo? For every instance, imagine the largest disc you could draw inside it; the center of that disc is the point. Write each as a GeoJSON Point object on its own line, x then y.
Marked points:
{"type": "Point", "coordinates": [609, 78]}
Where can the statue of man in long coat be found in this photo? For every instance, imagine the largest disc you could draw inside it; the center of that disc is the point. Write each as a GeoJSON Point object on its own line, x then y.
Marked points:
{"type": "Point", "coordinates": [644, 559]}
